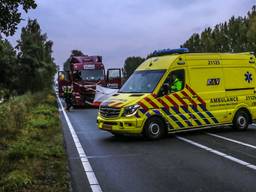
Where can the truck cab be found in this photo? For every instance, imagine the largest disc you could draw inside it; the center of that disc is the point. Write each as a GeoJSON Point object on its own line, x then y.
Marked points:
{"type": "Point", "coordinates": [85, 73]}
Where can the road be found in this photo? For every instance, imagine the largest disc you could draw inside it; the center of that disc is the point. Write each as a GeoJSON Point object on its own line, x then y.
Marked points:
{"type": "Point", "coordinates": [192, 161]}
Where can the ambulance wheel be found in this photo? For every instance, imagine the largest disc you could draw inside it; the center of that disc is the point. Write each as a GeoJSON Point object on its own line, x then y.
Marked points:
{"type": "Point", "coordinates": [241, 120]}
{"type": "Point", "coordinates": [154, 128]}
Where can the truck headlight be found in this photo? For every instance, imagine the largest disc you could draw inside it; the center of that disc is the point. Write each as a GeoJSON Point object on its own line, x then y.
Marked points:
{"type": "Point", "coordinates": [131, 110]}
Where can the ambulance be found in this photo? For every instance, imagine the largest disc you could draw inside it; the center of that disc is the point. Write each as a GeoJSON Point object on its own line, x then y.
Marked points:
{"type": "Point", "coordinates": [216, 90]}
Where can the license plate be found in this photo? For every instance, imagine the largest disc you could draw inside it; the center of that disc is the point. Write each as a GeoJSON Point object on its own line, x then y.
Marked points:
{"type": "Point", "coordinates": [107, 127]}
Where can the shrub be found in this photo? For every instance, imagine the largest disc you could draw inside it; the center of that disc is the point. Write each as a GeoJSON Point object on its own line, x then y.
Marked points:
{"type": "Point", "coordinates": [44, 110]}
{"type": "Point", "coordinates": [22, 149]}
{"type": "Point", "coordinates": [31, 145]}
{"type": "Point", "coordinates": [39, 123]}
{"type": "Point", "coordinates": [15, 180]}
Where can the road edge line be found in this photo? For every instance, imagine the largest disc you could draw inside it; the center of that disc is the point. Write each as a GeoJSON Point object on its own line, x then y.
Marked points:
{"type": "Point", "coordinates": [232, 140]}
{"type": "Point", "coordinates": [94, 184]}
{"type": "Point", "coordinates": [231, 158]}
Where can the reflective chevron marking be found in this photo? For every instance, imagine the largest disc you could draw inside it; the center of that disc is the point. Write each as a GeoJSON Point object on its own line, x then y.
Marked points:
{"type": "Point", "coordinates": [191, 115]}
{"type": "Point", "coordinates": [156, 112]}
{"type": "Point", "coordinates": [180, 100]}
{"type": "Point", "coordinates": [176, 104]}
{"type": "Point", "coordinates": [171, 101]}
{"type": "Point", "coordinates": [172, 117]}
{"type": "Point", "coordinates": [209, 113]}
{"type": "Point", "coordinates": [148, 114]}
{"type": "Point", "coordinates": [182, 116]}
{"type": "Point", "coordinates": [143, 106]}
{"type": "Point", "coordinates": [193, 93]}
{"type": "Point", "coordinates": [200, 114]}
{"type": "Point", "coordinates": [163, 103]}
{"type": "Point", "coordinates": [189, 98]}
{"type": "Point", "coordinates": [151, 103]}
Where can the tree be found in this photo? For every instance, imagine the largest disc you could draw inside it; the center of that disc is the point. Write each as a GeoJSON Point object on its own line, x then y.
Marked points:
{"type": "Point", "coordinates": [236, 35]}
{"type": "Point", "coordinates": [75, 52]}
{"type": "Point", "coordinates": [8, 66]}
{"type": "Point", "coordinates": [131, 63]}
{"type": "Point", "coordinates": [36, 65]}
{"type": "Point", "coordinates": [251, 33]}
{"type": "Point", "coordinates": [10, 14]}
{"type": "Point", "coordinates": [193, 43]}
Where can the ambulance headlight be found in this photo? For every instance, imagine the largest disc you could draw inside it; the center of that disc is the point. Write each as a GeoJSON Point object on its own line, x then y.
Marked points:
{"type": "Point", "coordinates": [131, 110]}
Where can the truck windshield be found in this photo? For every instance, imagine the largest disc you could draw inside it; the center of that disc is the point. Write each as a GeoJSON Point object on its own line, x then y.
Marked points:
{"type": "Point", "coordinates": [142, 81]}
{"type": "Point", "coordinates": [92, 74]}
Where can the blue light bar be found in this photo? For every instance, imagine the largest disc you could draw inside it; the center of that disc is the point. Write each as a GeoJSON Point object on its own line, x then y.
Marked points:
{"type": "Point", "coordinates": [170, 51]}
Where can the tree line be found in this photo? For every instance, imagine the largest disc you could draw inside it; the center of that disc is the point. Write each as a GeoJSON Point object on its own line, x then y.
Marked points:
{"type": "Point", "coordinates": [29, 66]}
{"type": "Point", "coordinates": [238, 34]}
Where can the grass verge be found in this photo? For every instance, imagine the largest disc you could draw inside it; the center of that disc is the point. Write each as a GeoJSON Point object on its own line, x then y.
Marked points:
{"type": "Point", "coordinates": [32, 155]}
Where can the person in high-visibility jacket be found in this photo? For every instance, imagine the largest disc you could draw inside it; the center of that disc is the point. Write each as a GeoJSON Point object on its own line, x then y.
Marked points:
{"type": "Point", "coordinates": [68, 96]}
{"type": "Point", "coordinates": [176, 84]}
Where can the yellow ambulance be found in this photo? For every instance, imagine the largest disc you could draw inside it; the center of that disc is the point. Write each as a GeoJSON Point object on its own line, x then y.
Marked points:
{"type": "Point", "coordinates": [175, 90]}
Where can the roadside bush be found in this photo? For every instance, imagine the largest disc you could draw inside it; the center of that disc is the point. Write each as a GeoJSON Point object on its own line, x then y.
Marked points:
{"type": "Point", "coordinates": [44, 110]}
{"type": "Point", "coordinates": [24, 149]}
{"type": "Point", "coordinates": [15, 180]}
{"type": "Point", "coordinates": [40, 123]}
{"type": "Point", "coordinates": [32, 156]}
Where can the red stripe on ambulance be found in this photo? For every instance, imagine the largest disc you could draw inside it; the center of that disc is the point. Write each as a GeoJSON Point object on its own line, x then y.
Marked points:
{"type": "Point", "coordinates": [171, 101]}
{"type": "Point", "coordinates": [143, 106]}
{"type": "Point", "coordinates": [151, 103]}
{"type": "Point", "coordinates": [193, 93]}
{"type": "Point", "coordinates": [189, 98]}
{"type": "Point", "coordinates": [180, 100]}
{"type": "Point", "coordinates": [163, 103]}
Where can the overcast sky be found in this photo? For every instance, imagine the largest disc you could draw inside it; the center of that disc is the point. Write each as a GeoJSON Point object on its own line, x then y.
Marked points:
{"type": "Point", "coordinates": [117, 29]}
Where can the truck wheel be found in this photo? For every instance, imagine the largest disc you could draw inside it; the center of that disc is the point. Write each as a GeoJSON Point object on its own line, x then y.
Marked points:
{"type": "Point", "coordinates": [241, 120]}
{"type": "Point", "coordinates": [154, 128]}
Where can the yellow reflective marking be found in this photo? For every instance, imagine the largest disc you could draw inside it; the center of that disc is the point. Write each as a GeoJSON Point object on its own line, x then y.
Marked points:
{"type": "Point", "coordinates": [199, 108]}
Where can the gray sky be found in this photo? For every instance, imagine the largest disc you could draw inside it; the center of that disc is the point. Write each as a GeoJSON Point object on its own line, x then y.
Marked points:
{"type": "Point", "coordinates": [117, 29]}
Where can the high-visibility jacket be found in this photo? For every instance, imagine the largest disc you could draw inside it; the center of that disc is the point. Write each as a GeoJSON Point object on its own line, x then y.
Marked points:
{"type": "Point", "coordinates": [176, 86]}
{"type": "Point", "coordinates": [67, 91]}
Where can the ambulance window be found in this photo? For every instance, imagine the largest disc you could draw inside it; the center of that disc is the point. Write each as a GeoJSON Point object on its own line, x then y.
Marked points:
{"type": "Point", "coordinates": [174, 82]}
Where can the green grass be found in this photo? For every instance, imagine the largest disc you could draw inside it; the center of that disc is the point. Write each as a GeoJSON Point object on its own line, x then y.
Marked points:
{"type": "Point", "coordinates": [32, 156]}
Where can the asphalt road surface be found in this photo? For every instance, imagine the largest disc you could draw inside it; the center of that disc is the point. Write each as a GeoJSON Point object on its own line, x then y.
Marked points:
{"type": "Point", "coordinates": [210, 160]}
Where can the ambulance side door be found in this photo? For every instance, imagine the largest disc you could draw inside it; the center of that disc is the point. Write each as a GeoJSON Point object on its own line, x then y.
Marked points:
{"type": "Point", "coordinates": [206, 87]}
{"type": "Point", "coordinates": [174, 101]}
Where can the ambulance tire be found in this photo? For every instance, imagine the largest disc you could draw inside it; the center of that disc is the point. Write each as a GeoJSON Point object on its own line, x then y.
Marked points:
{"type": "Point", "coordinates": [241, 120]}
{"type": "Point", "coordinates": [154, 128]}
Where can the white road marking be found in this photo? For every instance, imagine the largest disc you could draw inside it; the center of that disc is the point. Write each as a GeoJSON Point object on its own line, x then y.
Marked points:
{"type": "Point", "coordinates": [94, 184]}
{"type": "Point", "coordinates": [232, 140]}
{"type": "Point", "coordinates": [234, 159]}
{"type": "Point", "coordinates": [254, 124]}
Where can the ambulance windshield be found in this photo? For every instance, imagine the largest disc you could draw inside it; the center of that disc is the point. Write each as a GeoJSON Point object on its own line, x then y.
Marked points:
{"type": "Point", "coordinates": [142, 81]}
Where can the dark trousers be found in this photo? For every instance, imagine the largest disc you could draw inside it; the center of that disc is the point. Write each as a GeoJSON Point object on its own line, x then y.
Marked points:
{"type": "Point", "coordinates": [68, 102]}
